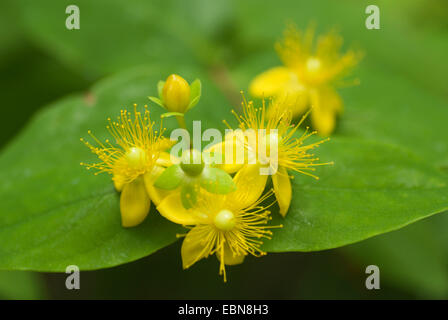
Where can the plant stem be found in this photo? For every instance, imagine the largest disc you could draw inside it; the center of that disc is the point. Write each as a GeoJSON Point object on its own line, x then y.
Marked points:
{"type": "Point", "coordinates": [181, 121]}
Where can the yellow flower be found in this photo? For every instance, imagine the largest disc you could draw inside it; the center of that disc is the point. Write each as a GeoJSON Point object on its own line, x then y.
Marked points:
{"type": "Point", "coordinates": [230, 226]}
{"type": "Point", "coordinates": [310, 74]}
{"type": "Point", "coordinates": [271, 143]}
{"type": "Point", "coordinates": [134, 161]}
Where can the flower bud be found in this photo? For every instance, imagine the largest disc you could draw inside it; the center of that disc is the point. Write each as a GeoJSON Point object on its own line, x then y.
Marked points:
{"type": "Point", "coordinates": [176, 94]}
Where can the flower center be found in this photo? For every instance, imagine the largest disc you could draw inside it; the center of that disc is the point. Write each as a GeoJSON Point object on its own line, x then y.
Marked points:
{"type": "Point", "coordinates": [313, 65]}
{"type": "Point", "coordinates": [225, 220]}
{"type": "Point", "coordinates": [136, 157]}
{"type": "Point", "coordinates": [192, 163]}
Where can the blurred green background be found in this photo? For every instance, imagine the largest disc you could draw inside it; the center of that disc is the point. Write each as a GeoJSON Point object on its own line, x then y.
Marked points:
{"type": "Point", "coordinates": [41, 61]}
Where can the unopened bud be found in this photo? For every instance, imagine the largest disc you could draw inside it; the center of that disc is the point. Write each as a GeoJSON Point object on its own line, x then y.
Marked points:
{"type": "Point", "coordinates": [176, 94]}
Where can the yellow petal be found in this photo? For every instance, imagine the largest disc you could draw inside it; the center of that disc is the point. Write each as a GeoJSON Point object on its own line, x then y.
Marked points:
{"type": "Point", "coordinates": [271, 82]}
{"type": "Point", "coordinates": [323, 116]}
{"type": "Point", "coordinates": [233, 142]}
{"type": "Point", "coordinates": [249, 186]}
{"type": "Point", "coordinates": [163, 144]}
{"type": "Point", "coordinates": [194, 248]}
{"type": "Point", "coordinates": [295, 98]}
{"type": "Point", "coordinates": [331, 99]}
{"type": "Point", "coordinates": [164, 159]}
{"type": "Point", "coordinates": [323, 121]}
{"type": "Point", "coordinates": [156, 194]}
{"type": "Point", "coordinates": [134, 203]}
{"type": "Point", "coordinates": [172, 209]}
{"type": "Point", "coordinates": [282, 190]}
{"type": "Point", "coordinates": [118, 183]}
{"type": "Point", "coordinates": [117, 178]}
{"type": "Point", "coordinates": [230, 258]}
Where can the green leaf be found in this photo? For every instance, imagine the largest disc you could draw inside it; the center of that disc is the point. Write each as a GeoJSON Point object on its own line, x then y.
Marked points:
{"type": "Point", "coordinates": [55, 213]}
{"type": "Point", "coordinates": [403, 114]}
{"type": "Point", "coordinates": [113, 36]}
{"type": "Point", "coordinates": [372, 188]}
{"type": "Point", "coordinates": [215, 180]}
{"type": "Point", "coordinates": [11, 34]}
{"type": "Point", "coordinates": [170, 178]}
{"type": "Point", "coordinates": [414, 258]}
{"type": "Point", "coordinates": [21, 285]}
{"type": "Point", "coordinates": [195, 93]}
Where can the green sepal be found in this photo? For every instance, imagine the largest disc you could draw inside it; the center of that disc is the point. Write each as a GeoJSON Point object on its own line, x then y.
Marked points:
{"type": "Point", "coordinates": [157, 101]}
{"type": "Point", "coordinates": [171, 114]}
{"type": "Point", "coordinates": [215, 180]}
{"type": "Point", "coordinates": [195, 93]}
{"type": "Point", "coordinates": [160, 86]}
{"type": "Point", "coordinates": [170, 178]}
{"type": "Point", "coordinates": [189, 195]}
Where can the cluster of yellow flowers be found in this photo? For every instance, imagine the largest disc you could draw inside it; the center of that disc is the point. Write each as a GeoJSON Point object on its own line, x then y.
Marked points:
{"type": "Point", "coordinates": [224, 204]}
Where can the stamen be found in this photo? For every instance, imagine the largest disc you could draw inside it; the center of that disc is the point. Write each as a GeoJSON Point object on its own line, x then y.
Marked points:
{"type": "Point", "coordinates": [134, 151]}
